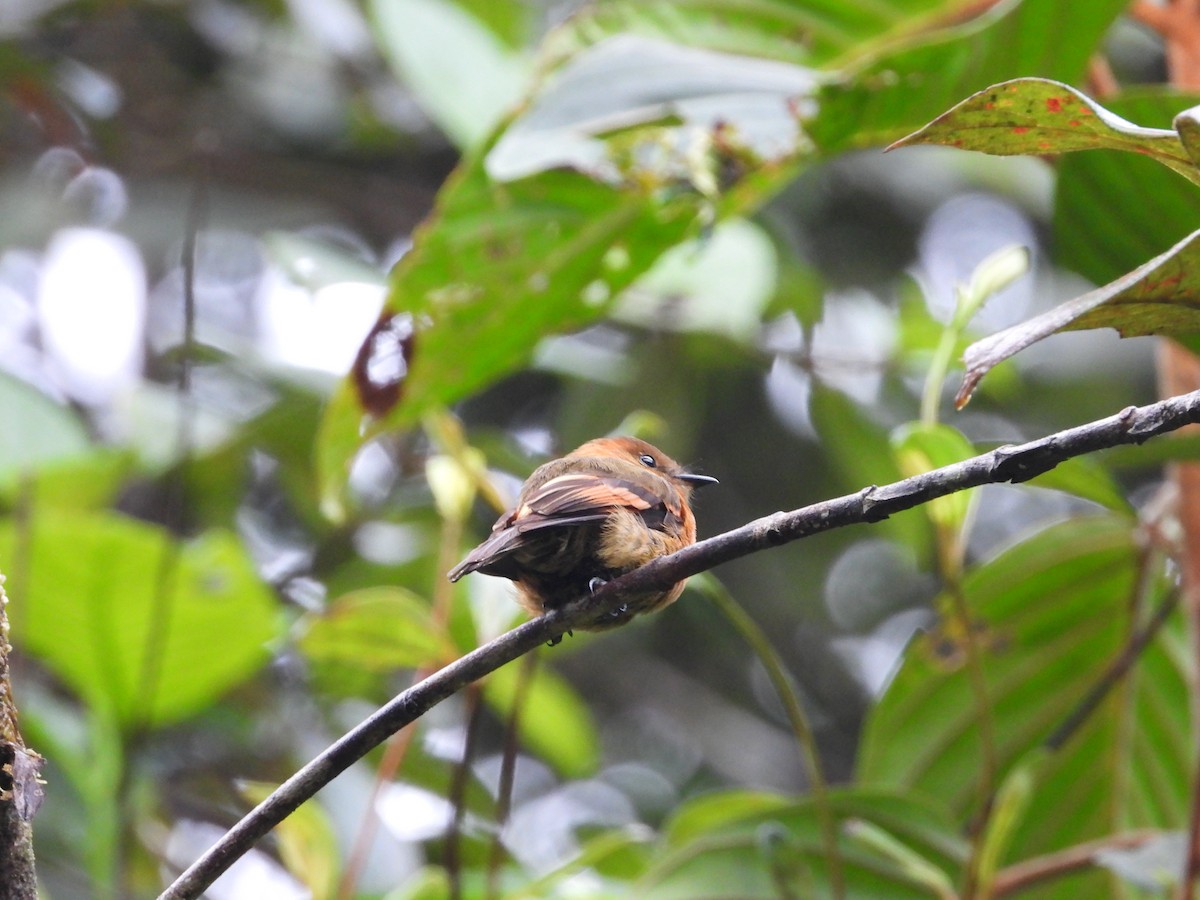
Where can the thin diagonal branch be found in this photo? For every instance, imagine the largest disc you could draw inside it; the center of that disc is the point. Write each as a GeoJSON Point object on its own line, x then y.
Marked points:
{"type": "Point", "coordinates": [1031, 872]}
{"type": "Point", "coordinates": [1004, 464]}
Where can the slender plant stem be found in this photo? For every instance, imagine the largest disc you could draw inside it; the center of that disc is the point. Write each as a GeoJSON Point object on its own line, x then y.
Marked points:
{"type": "Point", "coordinates": [1009, 463]}
{"type": "Point", "coordinates": [508, 765]}
{"type": "Point", "coordinates": [777, 673]}
{"type": "Point", "coordinates": [1040, 869]}
{"type": "Point", "coordinates": [935, 379]}
{"type": "Point", "coordinates": [458, 795]}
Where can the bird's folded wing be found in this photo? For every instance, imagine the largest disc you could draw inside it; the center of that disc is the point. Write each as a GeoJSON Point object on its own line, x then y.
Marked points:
{"type": "Point", "coordinates": [580, 497]}
{"type": "Point", "coordinates": [572, 499]}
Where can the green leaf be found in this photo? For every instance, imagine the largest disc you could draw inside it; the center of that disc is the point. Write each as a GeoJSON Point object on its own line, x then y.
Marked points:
{"type": "Point", "coordinates": [885, 96]}
{"type": "Point", "coordinates": [1187, 126]}
{"type": "Point", "coordinates": [47, 431]}
{"type": "Point", "coordinates": [732, 856]}
{"type": "Point", "coordinates": [1087, 236]}
{"type": "Point", "coordinates": [710, 812]}
{"type": "Point", "coordinates": [77, 482]}
{"type": "Point", "coordinates": [619, 854]}
{"type": "Point", "coordinates": [513, 21]}
{"type": "Point", "coordinates": [912, 864]}
{"type": "Point", "coordinates": [799, 288]}
{"type": "Point", "coordinates": [923, 448]}
{"type": "Point", "coordinates": [139, 626]}
{"type": "Point", "coordinates": [1151, 455]}
{"type": "Point", "coordinates": [996, 272]}
{"type": "Point", "coordinates": [598, 108]}
{"type": "Point", "coordinates": [1158, 297]}
{"type": "Point", "coordinates": [829, 35]}
{"type": "Point", "coordinates": [376, 629]}
{"type": "Point", "coordinates": [431, 882]}
{"type": "Point", "coordinates": [454, 479]}
{"type": "Point", "coordinates": [554, 721]}
{"type": "Point", "coordinates": [1009, 806]}
{"type": "Point", "coordinates": [892, 66]}
{"type": "Point", "coordinates": [464, 75]}
{"type": "Point", "coordinates": [720, 283]}
{"type": "Point", "coordinates": [1031, 116]}
{"type": "Point", "coordinates": [495, 269]}
{"type": "Point", "coordinates": [1052, 613]}
{"type": "Point", "coordinates": [1086, 478]}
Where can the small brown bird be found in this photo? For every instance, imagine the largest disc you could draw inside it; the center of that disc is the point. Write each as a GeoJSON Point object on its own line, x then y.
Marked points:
{"type": "Point", "coordinates": [596, 513]}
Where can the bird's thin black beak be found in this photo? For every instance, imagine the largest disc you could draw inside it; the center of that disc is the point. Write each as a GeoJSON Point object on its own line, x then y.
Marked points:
{"type": "Point", "coordinates": [695, 479]}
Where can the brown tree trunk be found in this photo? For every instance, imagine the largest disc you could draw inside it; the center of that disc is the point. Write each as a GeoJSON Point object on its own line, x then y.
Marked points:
{"type": "Point", "coordinates": [20, 789]}
{"type": "Point", "coordinates": [1178, 23]}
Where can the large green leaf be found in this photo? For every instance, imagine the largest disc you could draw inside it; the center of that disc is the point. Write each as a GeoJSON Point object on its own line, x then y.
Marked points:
{"type": "Point", "coordinates": [376, 629]}
{"type": "Point", "coordinates": [143, 629]}
{"type": "Point", "coordinates": [499, 265]}
{"type": "Point", "coordinates": [1084, 477]}
{"type": "Point", "coordinates": [1052, 614]}
{"type": "Point", "coordinates": [497, 268]}
{"type": "Point", "coordinates": [87, 481]}
{"type": "Point", "coordinates": [1030, 116]}
{"type": "Point", "coordinates": [743, 845]}
{"type": "Point", "coordinates": [820, 33]}
{"type": "Point", "coordinates": [1155, 208]}
{"type": "Point", "coordinates": [630, 106]}
{"type": "Point", "coordinates": [460, 69]}
{"type": "Point", "coordinates": [883, 97]}
{"type": "Point", "coordinates": [920, 448]}
{"type": "Point", "coordinates": [619, 856]}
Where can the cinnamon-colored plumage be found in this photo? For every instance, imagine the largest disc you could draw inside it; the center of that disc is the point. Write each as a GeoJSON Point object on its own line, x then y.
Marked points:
{"type": "Point", "coordinates": [600, 511]}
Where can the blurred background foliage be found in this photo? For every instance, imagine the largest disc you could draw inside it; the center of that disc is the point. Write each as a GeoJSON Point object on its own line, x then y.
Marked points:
{"type": "Point", "coordinates": [655, 216]}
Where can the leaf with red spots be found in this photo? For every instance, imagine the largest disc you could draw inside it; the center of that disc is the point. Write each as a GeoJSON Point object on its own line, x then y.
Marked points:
{"type": "Point", "coordinates": [1160, 297]}
{"type": "Point", "coordinates": [1034, 116]}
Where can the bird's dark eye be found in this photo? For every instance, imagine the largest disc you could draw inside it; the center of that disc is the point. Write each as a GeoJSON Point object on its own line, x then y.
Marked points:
{"type": "Point", "coordinates": [648, 460]}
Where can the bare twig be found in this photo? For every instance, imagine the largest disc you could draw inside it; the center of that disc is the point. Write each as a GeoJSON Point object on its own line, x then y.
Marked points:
{"type": "Point", "coordinates": [508, 771]}
{"type": "Point", "coordinates": [1030, 872]}
{"type": "Point", "coordinates": [1008, 463]}
{"type": "Point", "coordinates": [167, 570]}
